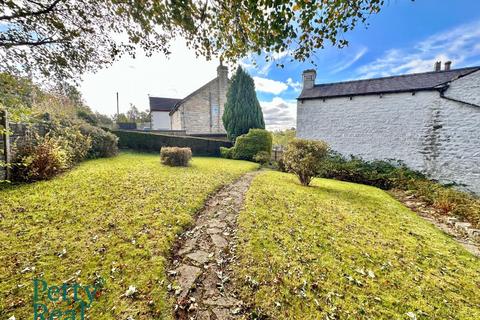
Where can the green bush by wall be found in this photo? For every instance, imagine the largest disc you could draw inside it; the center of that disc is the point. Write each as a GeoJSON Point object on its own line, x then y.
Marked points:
{"type": "Point", "coordinates": [248, 145]}
{"type": "Point", "coordinates": [152, 142]}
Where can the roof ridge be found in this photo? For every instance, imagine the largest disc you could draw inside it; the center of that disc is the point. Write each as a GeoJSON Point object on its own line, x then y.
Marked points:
{"type": "Point", "coordinates": [150, 97]}
{"type": "Point", "coordinates": [397, 76]}
{"type": "Point", "coordinates": [175, 107]}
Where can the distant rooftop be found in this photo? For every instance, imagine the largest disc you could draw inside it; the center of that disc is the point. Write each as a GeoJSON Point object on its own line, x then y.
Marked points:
{"type": "Point", "coordinates": [402, 83]}
{"type": "Point", "coordinates": [163, 104]}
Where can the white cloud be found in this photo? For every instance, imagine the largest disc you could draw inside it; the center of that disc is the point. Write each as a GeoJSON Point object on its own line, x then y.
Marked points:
{"type": "Point", "coordinates": [295, 85]}
{"type": "Point", "coordinates": [258, 65]}
{"type": "Point", "coordinates": [349, 61]}
{"type": "Point", "coordinates": [459, 45]}
{"type": "Point", "coordinates": [279, 113]}
{"type": "Point", "coordinates": [269, 85]}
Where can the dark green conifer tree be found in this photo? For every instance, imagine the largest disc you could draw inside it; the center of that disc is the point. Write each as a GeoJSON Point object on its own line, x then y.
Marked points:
{"type": "Point", "coordinates": [242, 109]}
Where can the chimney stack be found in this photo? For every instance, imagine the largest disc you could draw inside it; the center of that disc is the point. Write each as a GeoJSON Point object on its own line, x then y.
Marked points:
{"type": "Point", "coordinates": [438, 66]}
{"type": "Point", "coordinates": [222, 72]}
{"type": "Point", "coordinates": [448, 65]}
{"type": "Point", "coordinates": [309, 78]}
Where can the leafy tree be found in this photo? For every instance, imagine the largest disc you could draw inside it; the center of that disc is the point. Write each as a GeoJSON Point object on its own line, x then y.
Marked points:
{"type": "Point", "coordinates": [133, 113]}
{"type": "Point", "coordinates": [121, 118]}
{"type": "Point", "coordinates": [242, 109]}
{"type": "Point", "coordinates": [16, 96]}
{"type": "Point", "coordinates": [283, 137]}
{"type": "Point", "coordinates": [65, 38]}
{"type": "Point", "coordinates": [144, 116]}
{"type": "Point", "coordinates": [103, 120]}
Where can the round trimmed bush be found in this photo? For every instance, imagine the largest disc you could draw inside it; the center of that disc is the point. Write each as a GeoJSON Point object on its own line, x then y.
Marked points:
{"type": "Point", "coordinates": [303, 158]}
{"type": "Point", "coordinates": [175, 156]}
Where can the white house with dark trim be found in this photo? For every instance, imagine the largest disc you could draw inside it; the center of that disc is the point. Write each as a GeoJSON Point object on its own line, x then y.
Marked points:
{"type": "Point", "coordinates": [160, 112]}
{"type": "Point", "coordinates": [430, 120]}
{"type": "Point", "coordinates": [198, 113]}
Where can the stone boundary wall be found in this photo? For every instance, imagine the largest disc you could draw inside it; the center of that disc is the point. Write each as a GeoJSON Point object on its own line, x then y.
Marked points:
{"type": "Point", "coordinates": [15, 133]}
{"type": "Point", "coordinates": [4, 146]}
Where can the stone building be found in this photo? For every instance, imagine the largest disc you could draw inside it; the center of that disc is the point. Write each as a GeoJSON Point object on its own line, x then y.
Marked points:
{"type": "Point", "coordinates": [430, 120]}
{"type": "Point", "coordinates": [198, 113]}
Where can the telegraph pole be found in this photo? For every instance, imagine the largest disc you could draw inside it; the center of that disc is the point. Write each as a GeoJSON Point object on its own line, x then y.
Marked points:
{"type": "Point", "coordinates": [118, 108]}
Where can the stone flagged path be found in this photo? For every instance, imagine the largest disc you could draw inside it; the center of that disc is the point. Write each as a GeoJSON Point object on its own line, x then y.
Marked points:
{"type": "Point", "coordinates": [201, 267]}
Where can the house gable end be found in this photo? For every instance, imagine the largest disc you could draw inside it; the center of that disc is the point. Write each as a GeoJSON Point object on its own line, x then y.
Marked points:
{"type": "Point", "coordinates": [180, 102]}
{"type": "Point", "coordinates": [465, 89]}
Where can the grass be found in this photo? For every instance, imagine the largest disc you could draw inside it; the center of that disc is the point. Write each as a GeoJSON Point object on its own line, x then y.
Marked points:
{"type": "Point", "coordinates": [338, 250]}
{"type": "Point", "coordinates": [109, 221]}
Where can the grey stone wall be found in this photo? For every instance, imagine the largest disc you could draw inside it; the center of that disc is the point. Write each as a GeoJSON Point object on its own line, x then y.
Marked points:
{"type": "Point", "coordinates": [197, 114]}
{"type": "Point", "coordinates": [176, 120]}
{"type": "Point", "coordinates": [4, 145]}
{"type": "Point", "coordinates": [202, 111]}
{"type": "Point", "coordinates": [431, 134]}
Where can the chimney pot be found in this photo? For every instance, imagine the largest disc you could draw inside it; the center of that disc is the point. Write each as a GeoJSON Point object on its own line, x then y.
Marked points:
{"type": "Point", "coordinates": [448, 65]}
{"type": "Point", "coordinates": [309, 78]}
{"type": "Point", "coordinates": [438, 66]}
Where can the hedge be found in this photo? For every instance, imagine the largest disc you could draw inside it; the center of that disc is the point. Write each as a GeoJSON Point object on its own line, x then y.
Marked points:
{"type": "Point", "coordinates": [152, 142]}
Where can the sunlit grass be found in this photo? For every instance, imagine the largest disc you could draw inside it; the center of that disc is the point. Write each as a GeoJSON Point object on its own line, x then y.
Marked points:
{"type": "Point", "coordinates": [112, 219]}
{"type": "Point", "coordinates": [338, 250]}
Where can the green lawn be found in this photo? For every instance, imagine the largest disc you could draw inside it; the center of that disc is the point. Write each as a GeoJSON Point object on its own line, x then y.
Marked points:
{"type": "Point", "coordinates": [337, 250]}
{"type": "Point", "coordinates": [108, 221]}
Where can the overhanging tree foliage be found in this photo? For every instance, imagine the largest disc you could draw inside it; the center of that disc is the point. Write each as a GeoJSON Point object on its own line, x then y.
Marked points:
{"type": "Point", "coordinates": [65, 38]}
{"type": "Point", "coordinates": [68, 37]}
{"type": "Point", "coordinates": [242, 109]}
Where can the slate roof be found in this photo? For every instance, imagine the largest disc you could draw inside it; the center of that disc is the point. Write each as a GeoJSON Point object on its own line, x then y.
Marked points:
{"type": "Point", "coordinates": [162, 104]}
{"type": "Point", "coordinates": [402, 83]}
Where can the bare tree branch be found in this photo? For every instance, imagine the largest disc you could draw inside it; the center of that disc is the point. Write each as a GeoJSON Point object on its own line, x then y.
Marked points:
{"type": "Point", "coordinates": [45, 10]}
{"type": "Point", "coordinates": [16, 43]}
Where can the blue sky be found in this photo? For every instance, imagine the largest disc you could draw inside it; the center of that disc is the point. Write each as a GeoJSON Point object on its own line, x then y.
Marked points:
{"type": "Point", "coordinates": [404, 37]}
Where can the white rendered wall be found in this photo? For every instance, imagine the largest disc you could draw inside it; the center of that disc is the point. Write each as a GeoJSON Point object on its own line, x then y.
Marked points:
{"type": "Point", "coordinates": [160, 120]}
{"type": "Point", "coordinates": [429, 133]}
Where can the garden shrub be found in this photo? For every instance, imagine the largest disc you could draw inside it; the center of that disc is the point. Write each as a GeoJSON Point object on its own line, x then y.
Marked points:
{"type": "Point", "coordinates": [384, 174]}
{"type": "Point", "coordinates": [74, 143]}
{"type": "Point", "coordinates": [281, 165]}
{"type": "Point", "coordinates": [248, 145]}
{"type": "Point", "coordinates": [448, 200]}
{"type": "Point", "coordinates": [303, 158]}
{"type": "Point", "coordinates": [262, 157]}
{"type": "Point", "coordinates": [104, 144]}
{"type": "Point", "coordinates": [39, 158]}
{"type": "Point", "coordinates": [226, 152]}
{"type": "Point", "coordinates": [175, 156]}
